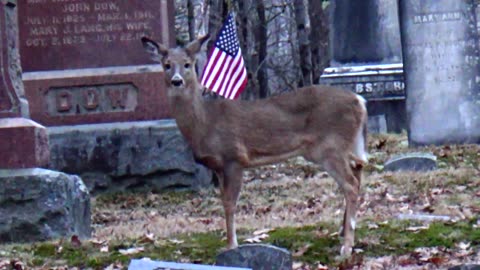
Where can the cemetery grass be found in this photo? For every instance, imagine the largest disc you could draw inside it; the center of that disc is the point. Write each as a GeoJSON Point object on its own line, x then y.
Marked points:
{"type": "Point", "coordinates": [292, 205]}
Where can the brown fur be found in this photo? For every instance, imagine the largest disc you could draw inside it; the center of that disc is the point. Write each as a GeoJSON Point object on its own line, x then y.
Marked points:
{"type": "Point", "coordinates": [319, 123]}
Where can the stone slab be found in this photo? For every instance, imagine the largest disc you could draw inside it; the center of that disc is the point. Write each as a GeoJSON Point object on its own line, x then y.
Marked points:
{"type": "Point", "coordinates": [64, 98]}
{"type": "Point", "coordinates": [59, 35]}
{"type": "Point", "coordinates": [257, 257]}
{"type": "Point", "coordinates": [146, 264]}
{"type": "Point", "coordinates": [411, 162]}
{"type": "Point", "coordinates": [373, 82]}
{"type": "Point", "coordinates": [38, 204]}
{"type": "Point", "coordinates": [440, 51]}
{"type": "Point", "coordinates": [23, 144]}
{"type": "Point", "coordinates": [116, 156]}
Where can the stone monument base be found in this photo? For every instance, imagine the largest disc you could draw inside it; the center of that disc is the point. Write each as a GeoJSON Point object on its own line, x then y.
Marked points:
{"type": "Point", "coordinates": [23, 144]}
{"type": "Point", "coordinates": [145, 155]}
{"type": "Point", "coordinates": [39, 204]}
{"type": "Point", "coordinates": [383, 87]}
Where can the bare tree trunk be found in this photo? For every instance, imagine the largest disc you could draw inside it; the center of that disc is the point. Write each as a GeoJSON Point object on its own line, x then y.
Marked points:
{"type": "Point", "coordinates": [318, 39]}
{"type": "Point", "coordinates": [191, 19]}
{"type": "Point", "coordinates": [261, 44]}
{"type": "Point", "coordinates": [303, 41]}
{"type": "Point", "coordinates": [247, 41]}
{"type": "Point", "coordinates": [216, 11]}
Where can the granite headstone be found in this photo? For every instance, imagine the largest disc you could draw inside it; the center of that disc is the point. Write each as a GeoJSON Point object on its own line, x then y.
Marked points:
{"type": "Point", "coordinates": [440, 50]}
{"type": "Point", "coordinates": [83, 62]}
{"type": "Point", "coordinates": [419, 162]}
{"type": "Point", "coordinates": [257, 257]}
{"type": "Point", "coordinates": [366, 56]}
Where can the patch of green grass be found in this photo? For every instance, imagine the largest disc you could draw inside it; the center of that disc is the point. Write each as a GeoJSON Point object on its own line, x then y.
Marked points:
{"type": "Point", "coordinates": [390, 239]}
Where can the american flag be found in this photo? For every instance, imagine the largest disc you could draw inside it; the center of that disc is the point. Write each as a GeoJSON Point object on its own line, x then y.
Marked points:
{"type": "Point", "coordinates": [225, 72]}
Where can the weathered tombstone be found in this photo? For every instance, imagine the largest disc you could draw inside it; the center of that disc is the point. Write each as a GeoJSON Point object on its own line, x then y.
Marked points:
{"type": "Point", "coordinates": [366, 56]}
{"type": "Point", "coordinates": [257, 257]}
{"type": "Point", "coordinates": [147, 264]}
{"type": "Point", "coordinates": [440, 47]}
{"type": "Point", "coordinates": [83, 62]}
{"type": "Point", "coordinates": [419, 162]}
{"type": "Point", "coordinates": [35, 204]}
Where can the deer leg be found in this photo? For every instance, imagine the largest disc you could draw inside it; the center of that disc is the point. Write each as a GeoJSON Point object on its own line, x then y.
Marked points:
{"type": "Point", "coordinates": [339, 168]}
{"type": "Point", "coordinates": [230, 185]}
{"type": "Point", "coordinates": [357, 167]}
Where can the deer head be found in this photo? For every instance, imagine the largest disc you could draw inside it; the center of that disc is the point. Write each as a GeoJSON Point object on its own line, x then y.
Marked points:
{"type": "Point", "coordinates": [178, 63]}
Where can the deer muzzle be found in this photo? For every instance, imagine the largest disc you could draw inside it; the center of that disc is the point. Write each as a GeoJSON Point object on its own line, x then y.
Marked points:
{"type": "Point", "coordinates": [177, 80]}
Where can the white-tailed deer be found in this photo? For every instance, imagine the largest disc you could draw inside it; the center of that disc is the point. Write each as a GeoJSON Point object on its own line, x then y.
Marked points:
{"type": "Point", "coordinates": [323, 124]}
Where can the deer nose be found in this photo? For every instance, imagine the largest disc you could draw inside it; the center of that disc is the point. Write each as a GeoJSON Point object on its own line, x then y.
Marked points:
{"type": "Point", "coordinates": [177, 80]}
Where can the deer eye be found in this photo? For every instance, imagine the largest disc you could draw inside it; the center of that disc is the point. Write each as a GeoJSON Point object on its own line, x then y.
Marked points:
{"type": "Point", "coordinates": [168, 66]}
{"type": "Point", "coordinates": [187, 65]}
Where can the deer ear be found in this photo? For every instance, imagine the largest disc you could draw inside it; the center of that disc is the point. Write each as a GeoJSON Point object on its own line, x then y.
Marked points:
{"type": "Point", "coordinates": [155, 50]}
{"type": "Point", "coordinates": [194, 47]}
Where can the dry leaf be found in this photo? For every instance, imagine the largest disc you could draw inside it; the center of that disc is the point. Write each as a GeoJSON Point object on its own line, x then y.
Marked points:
{"type": "Point", "coordinates": [176, 241]}
{"type": "Point", "coordinates": [4, 264]}
{"type": "Point", "coordinates": [322, 267]}
{"type": "Point", "coordinates": [97, 242]}
{"type": "Point", "coordinates": [416, 228]}
{"type": "Point", "coordinates": [104, 249]}
{"type": "Point", "coordinates": [301, 251]}
{"type": "Point", "coordinates": [131, 251]}
{"type": "Point", "coordinates": [257, 239]}
{"type": "Point", "coordinates": [17, 265]}
{"type": "Point", "coordinates": [148, 238]}
{"type": "Point", "coordinates": [263, 231]}
{"type": "Point", "coordinates": [463, 245]}
{"type": "Point", "coordinates": [297, 265]}
{"type": "Point", "coordinates": [114, 266]}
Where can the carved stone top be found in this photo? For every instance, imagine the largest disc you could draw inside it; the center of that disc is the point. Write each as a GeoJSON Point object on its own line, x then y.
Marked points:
{"type": "Point", "coordinates": [12, 102]}
{"type": "Point", "coordinates": [58, 35]}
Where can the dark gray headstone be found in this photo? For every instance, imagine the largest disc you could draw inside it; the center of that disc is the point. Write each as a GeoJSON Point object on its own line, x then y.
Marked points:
{"type": "Point", "coordinates": [440, 53]}
{"type": "Point", "coordinates": [365, 31]}
{"type": "Point", "coordinates": [411, 162]}
{"type": "Point", "coordinates": [466, 267]}
{"type": "Point", "coordinates": [366, 56]}
{"type": "Point", "coordinates": [146, 264]}
{"type": "Point", "coordinates": [257, 257]}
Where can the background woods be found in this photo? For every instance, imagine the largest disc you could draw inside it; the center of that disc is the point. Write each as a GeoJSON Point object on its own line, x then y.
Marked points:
{"type": "Point", "coordinates": [284, 42]}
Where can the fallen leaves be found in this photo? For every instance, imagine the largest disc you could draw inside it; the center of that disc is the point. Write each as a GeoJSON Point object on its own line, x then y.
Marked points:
{"type": "Point", "coordinates": [417, 228]}
{"type": "Point", "coordinates": [131, 251]}
{"type": "Point", "coordinates": [259, 236]}
{"type": "Point", "coordinates": [302, 250]}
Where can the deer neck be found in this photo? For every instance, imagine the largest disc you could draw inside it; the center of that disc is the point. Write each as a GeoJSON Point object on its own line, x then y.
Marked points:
{"type": "Point", "coordinates": [189, 112]}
